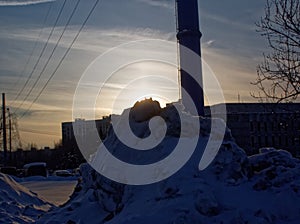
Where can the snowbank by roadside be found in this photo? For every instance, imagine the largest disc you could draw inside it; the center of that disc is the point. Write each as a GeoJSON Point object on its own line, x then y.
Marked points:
{"type": "Point", "coordinates": [18, 204]}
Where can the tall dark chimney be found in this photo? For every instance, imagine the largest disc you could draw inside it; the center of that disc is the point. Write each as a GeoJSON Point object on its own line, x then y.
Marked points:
{"type": "Point", "coordinates": [188, 36]}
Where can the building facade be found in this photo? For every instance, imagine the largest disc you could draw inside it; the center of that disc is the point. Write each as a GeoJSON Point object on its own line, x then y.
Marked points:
{"type": "Point", "coordinates": [82, 129]}
{"type": "Point", "coordinates": [260, 125]}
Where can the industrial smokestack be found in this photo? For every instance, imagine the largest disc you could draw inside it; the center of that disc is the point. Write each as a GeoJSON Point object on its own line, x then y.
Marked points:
{"type": "Point", "coordinates": [188, 36]}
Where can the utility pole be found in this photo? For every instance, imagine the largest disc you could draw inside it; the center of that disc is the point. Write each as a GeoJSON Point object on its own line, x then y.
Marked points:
{"type": "Point", "coordinates": [4, 128]}
{"type": "Point", "coordinates": [190, 68]}
{"type": "Point", "coordinates": [10, 143]}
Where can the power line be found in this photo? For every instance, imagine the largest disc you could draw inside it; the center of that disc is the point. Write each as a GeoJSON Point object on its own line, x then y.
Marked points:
{"type": "Point", "coordinates": [51, 55]}
{"type": "Point", "coordinates": [33, 50]}
{"type": "Point", "coordinates": [42, 52]}
{"type": "Point", "coordinates": [64, 56]}
{"type": "Point", "coordinates": [31, 131]}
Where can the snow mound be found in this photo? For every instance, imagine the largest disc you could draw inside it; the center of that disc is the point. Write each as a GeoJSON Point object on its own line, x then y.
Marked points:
{"type": "Point", "coordinates": [18, 204]}
{"type": "Point", "coordinates": [275, 169]}
{"type": "Point", "coordinates": [226, 192]}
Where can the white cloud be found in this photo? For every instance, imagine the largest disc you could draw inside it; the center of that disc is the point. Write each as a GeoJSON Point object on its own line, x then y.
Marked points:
{"type": "Point", "coordinates": [91, 39]}
{"type": "Point", "coordinates": [241, 25]}
{"type": "Point", "coordinates": [160, 3]}
{"type": "Point", "coordinates": [209, 43]}
{"type": "Point", "coordinates": [22, 2]}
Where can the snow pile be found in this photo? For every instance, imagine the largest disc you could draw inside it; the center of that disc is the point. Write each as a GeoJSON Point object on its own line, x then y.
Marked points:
{"type": "Point", "coordinates": [18, 204]}
{"type": "Point", "coordinates": [234, 189]}
{"type": "Point", "coordinates": [274, 170]}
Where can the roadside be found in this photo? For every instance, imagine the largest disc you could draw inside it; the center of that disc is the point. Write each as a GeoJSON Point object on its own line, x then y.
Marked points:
{"type": "Point", "coordinates": [56, 192]}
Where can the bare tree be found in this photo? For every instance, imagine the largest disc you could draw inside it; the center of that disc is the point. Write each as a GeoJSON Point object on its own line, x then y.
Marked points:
{"type": "Point", "coordinates": [278, 76]}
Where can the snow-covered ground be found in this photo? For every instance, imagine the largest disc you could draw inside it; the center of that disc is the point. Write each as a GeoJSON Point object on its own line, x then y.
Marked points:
{"type": "Point", "coordinates": [18, 204]}
{"type": "Point", "coordinates": [263, 189]}
{"type": "Point", "coordinates": [234, 189]}
{"type": "Point", "coordinates": [55, 192]}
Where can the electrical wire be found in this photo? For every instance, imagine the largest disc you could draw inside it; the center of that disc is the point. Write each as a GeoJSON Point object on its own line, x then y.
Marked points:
{"type": "Point", "coordinates": [63, 58]}
{"type": "Point", "coordinates": [51, 55]}
{"type": "Point", "coordinates": [33, 50]}
{"type": "Point", "coordinates": [31, 131]}
{"type": "Point", "coordinates": [42, 52]}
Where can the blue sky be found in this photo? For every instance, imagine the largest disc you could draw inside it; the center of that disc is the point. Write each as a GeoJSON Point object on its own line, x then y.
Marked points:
{"type": "Point", "coordinates": [230, 46]}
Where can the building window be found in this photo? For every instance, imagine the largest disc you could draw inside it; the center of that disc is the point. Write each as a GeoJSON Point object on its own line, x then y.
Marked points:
{"type": "Point", "coordinates": [266, 141]}
{"type": "Point", "coordinates": [279, 141]}
{"type": "Point", "coordinates": [266, 127]}
{"type": "Point", "coordinates": [259, 141]}
{"type": "Point", "coordinates": [278, 127]}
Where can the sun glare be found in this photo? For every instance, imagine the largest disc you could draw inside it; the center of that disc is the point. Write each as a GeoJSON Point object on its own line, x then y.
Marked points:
{"type": "Point", "coordinates": [162, 100]}
{"type": "Point", "coordinates": [136, 82]}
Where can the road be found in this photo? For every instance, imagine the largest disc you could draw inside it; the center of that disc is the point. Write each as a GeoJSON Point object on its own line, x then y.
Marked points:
{"type": "Point", "coordinates": [55, 192]}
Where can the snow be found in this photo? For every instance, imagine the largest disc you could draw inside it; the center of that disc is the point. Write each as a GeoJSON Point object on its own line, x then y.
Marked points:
{"type": "Point", "coordinates": [26, 166]}
{"type": "Point", "coordinates": [233, 189]}
{"type": "Point", "coordinates": [24, 200]}
{"type": "Point", "coordinates": [55, 192]}
{"type": "Point", "coordinates": [261, 189]}
{"type": "Point", "coordinates": [18, 204]}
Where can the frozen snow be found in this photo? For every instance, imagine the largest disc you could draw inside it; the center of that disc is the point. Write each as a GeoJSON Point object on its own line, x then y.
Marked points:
{"type": "Point", "coordinates": [55, 192]}
{"type": "Point", "coordinates": [234, 189]}
{"type": "Point", "coordinates": [18, 204]}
